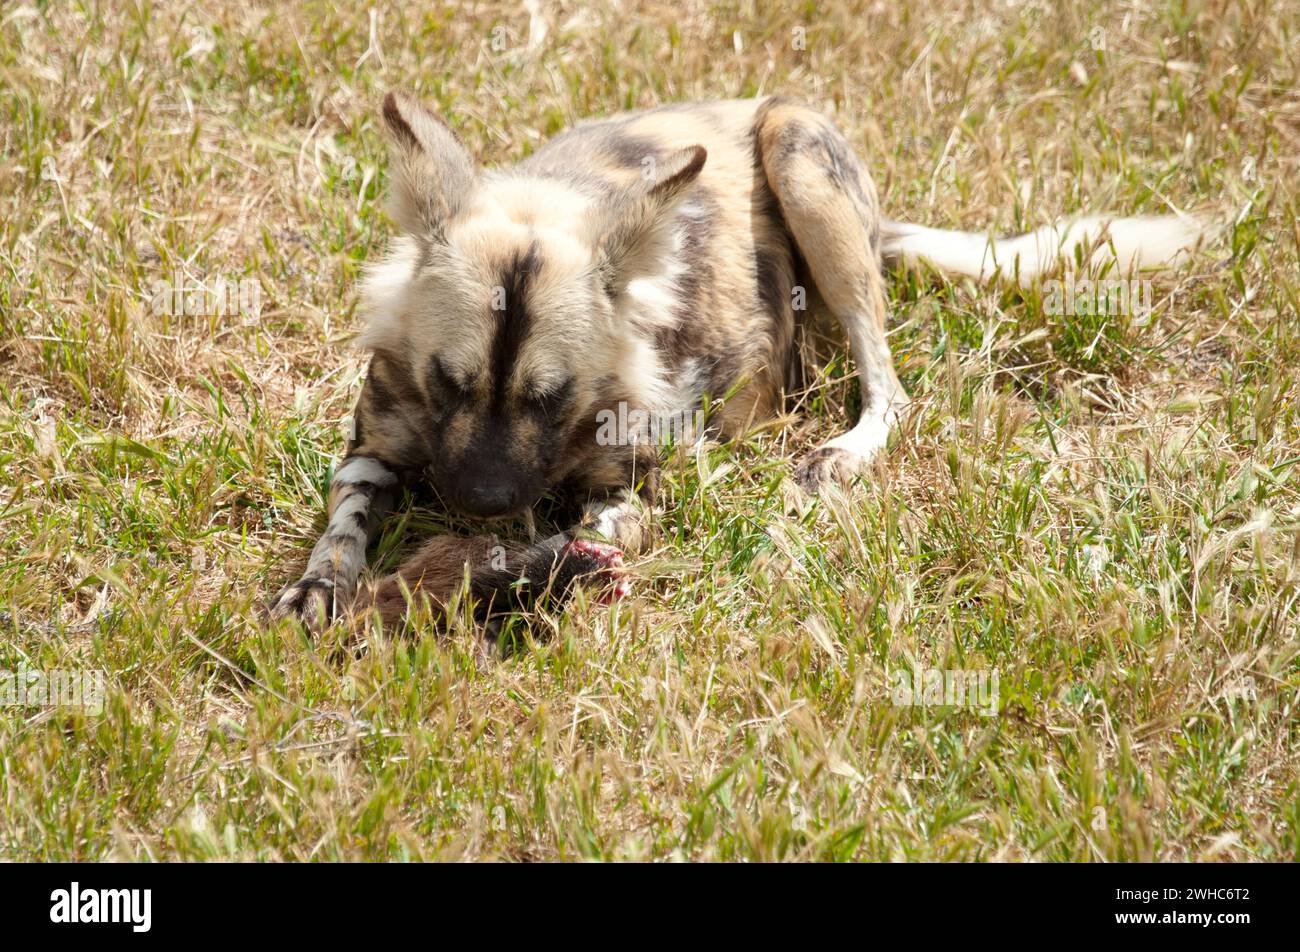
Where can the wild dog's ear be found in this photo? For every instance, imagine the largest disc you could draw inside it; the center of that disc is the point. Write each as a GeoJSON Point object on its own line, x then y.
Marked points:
{"type": "Point", "coordinates": [432, 170]}
{"type": "Point", "coordinates": [638, 226]}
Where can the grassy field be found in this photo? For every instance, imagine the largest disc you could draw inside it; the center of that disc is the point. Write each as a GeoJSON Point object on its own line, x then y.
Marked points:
{"type": "Point", "coordinates": [1101, 510]}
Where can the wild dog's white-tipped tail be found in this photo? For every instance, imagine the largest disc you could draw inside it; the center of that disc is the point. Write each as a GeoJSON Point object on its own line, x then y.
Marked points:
{"type": "Point", "coordinates": [1120, 246]}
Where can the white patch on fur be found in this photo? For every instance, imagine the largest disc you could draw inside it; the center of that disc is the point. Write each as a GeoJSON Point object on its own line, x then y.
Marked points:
{"type": "Point", "coordinates": [869, 436]}
{"type": "Point", "coordinates": [692, 380]}
{"type": "Point", "coordinates": [642, 374]}
{"type": "Point", "coordinates": [604, 517]}
{"type": "Point", "coordinates": [383, 293]}
{"type": "Point", "coordinates": [1130, 245]}
{"type": "Point", "coordinates": [882, 400]}
{"type": "Point", "coordinates": [649, 304]}
{"type": "Point", "coordinates": [364, 469]}
{"type": "Point", "coordinates": [650, 301]}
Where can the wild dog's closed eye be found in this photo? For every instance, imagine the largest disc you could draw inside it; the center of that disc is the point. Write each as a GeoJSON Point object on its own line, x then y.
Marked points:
{"type": "Point", "coordinates": [550, 400]}
{"type": "Point", "coordinates": [444, 382]}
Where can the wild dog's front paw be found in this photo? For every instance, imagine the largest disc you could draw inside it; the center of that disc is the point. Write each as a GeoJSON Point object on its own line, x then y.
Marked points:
{"type": "Point", "coordinates": [586, 559]}
{"type": "Point", "coordinates": [828, 466]}
{"type": "Point", "coordinates": [313, 601]}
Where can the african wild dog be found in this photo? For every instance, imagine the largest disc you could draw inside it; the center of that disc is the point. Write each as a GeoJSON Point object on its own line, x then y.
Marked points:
{"type": "Point", "coordinates": [648, 258]}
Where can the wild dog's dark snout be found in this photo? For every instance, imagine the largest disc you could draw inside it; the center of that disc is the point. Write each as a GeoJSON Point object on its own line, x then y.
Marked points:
{"type": "Point", "coordinates": [487, 496]}
{"type": "Point", "coordinates": [491, 481]}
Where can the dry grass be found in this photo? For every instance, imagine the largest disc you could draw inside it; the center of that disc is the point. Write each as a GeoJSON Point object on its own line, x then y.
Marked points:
{"type": "Point", "coordinates": [1103, 513]}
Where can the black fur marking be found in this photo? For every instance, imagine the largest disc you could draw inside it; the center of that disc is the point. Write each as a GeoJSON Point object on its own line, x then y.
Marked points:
{"type": "Point", "coordinates": [550, 406]}
{"type": "Point", "coordinates": [793, 141]}
{"type": "Point", "coordinates": [365, 487]}
{"type": "Point", "coordinates": [846, 171]}
{"type": "Point", "coordinates": [390, 383]}
{"type": "Point", "coordinates": [608, 281]}
{"type": "Point", "coordinates": [685, 337]}
{"type": "Point", "coordinates": [397, 123]}
{"type": "Point", "coordinates": [513, 324]}
{"type": "Point", "coordinates": [836, 158]}
{"type": "Point", "coordinates": [772, 273]}
{"type": "Point", "coordinates": [631, 150]}
{"type": "Point", "coordinates": [292, 598]}
{"type": "Point", "coordinates": [445, 391]}
{"type": "Point", "coordinates": [763, 202]}
{"type": "Point", "coordinates": [381, 398]}
{"type": "Point", "coordinates": [725, 370]}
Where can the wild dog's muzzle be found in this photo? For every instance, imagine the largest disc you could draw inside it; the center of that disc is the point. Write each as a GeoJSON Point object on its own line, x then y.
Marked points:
{"type": "Point", "coordinates": [491, 481]}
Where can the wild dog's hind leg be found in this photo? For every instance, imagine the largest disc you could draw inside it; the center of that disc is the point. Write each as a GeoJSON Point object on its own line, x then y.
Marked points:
{"type": "Point", "coordinates": [830, 208]}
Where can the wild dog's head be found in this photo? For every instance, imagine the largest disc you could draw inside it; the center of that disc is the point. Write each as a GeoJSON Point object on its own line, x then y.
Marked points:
{"type": "Point", "coordinates": [503, 298]}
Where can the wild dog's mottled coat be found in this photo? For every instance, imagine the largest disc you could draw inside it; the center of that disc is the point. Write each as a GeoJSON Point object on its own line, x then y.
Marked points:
{"type": "Point", "coordinates": [646, 259]}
